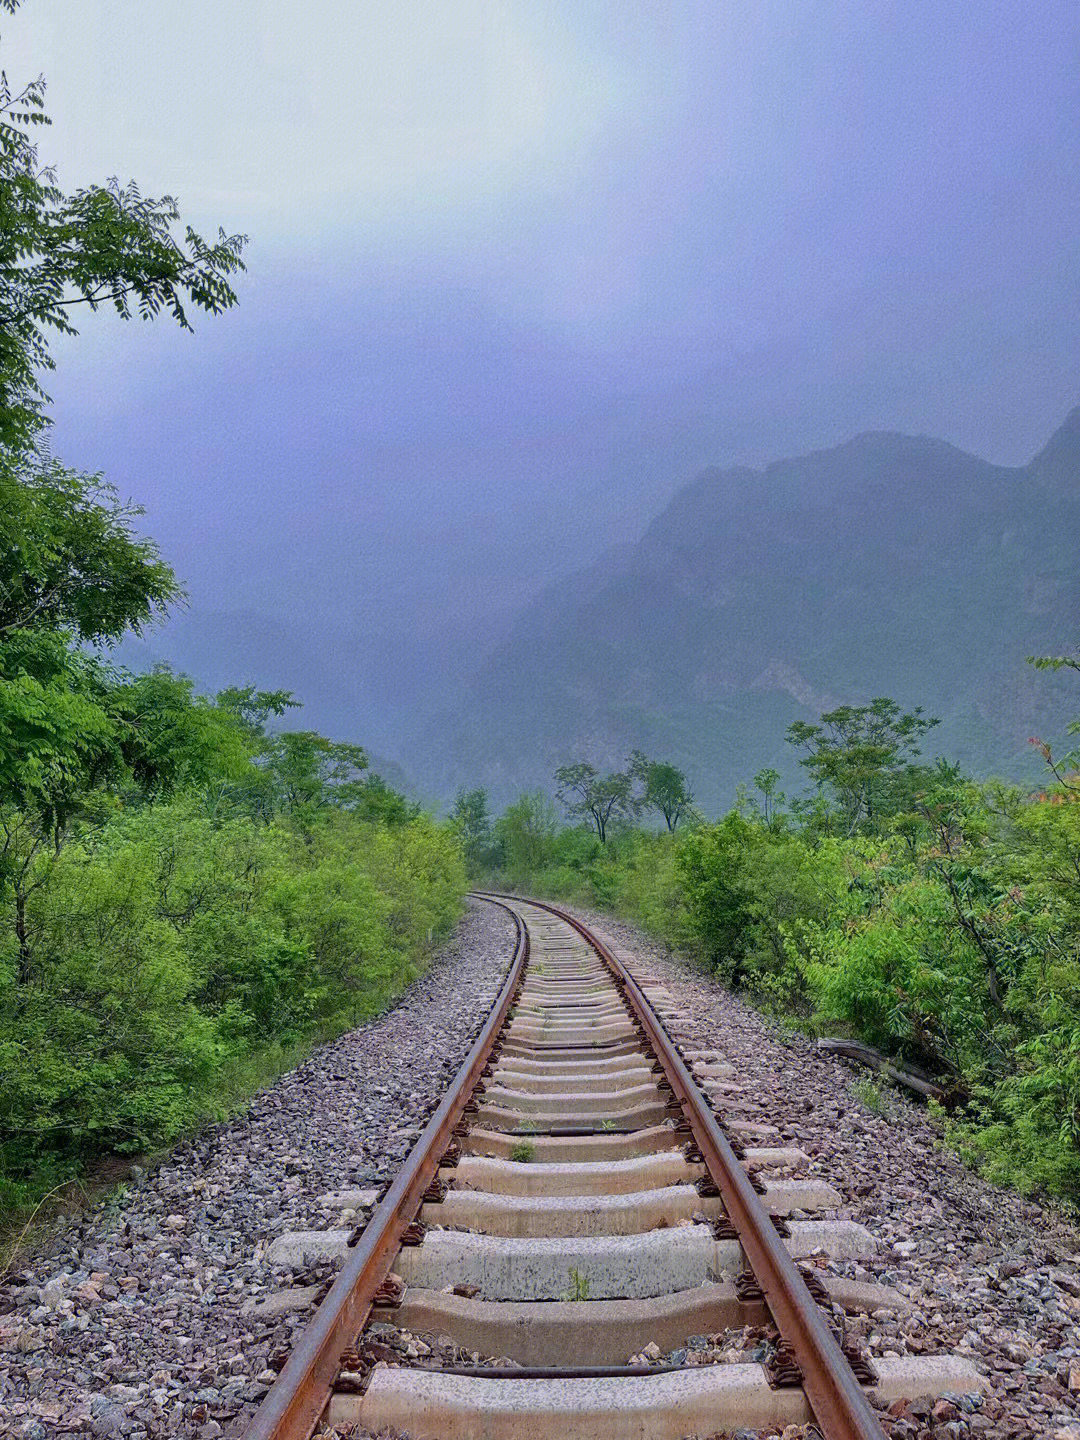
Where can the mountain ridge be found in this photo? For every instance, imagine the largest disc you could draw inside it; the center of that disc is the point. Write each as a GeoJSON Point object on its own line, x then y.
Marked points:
{"type": "Point", "coordinates": [888, 564]}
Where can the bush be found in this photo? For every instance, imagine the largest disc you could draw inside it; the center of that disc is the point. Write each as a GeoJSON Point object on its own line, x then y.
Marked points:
{"type": "Point", "coordinates": [163, 946]}
{"type": "Point", "coordinates": [949, 938]}
{"type": "Point", "coordinates": [904, 978]}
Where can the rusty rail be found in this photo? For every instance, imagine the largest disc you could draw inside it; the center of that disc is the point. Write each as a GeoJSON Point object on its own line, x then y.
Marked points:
{"type": "Point", "coordinates": [294, 1404]}
{"type": "Point", "coordinates": [299, 1395]}
{"type": "Point", "coordinates": [840, 1405]}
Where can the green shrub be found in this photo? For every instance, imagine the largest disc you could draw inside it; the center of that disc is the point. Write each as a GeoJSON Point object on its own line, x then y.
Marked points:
{"type": "Point", "coordinates": [164, 949]}
{"type": "Point", "coordinates": [936, 919]}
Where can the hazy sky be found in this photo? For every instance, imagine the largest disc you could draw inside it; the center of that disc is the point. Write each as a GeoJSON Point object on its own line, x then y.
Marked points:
{"type": "Point", "coordinates": [519, 269]}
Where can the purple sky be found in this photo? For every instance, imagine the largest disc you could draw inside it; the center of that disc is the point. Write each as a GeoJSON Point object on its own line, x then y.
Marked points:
{"type": "Point", "coordinates": [518, 270]}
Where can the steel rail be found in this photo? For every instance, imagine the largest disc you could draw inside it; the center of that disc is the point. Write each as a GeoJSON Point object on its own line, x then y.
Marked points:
{"type": "Point", "coordinates": [840, 1405]}
{"type": "Point", "coordinates": [298, 1397]}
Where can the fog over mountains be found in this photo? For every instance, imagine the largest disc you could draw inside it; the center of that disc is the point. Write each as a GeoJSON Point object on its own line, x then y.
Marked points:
{"type": "Point", "coordinates": [518, 273]}
{"type": "Point", "coordinates": [891, 564]}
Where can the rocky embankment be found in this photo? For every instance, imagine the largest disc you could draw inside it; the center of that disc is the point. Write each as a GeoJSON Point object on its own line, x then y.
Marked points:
{"type": "Point", "coordinates": [155, 1314]}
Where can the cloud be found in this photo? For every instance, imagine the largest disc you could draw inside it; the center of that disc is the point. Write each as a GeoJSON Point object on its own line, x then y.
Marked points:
{"type": "Point", "coordinates": [308, 116]}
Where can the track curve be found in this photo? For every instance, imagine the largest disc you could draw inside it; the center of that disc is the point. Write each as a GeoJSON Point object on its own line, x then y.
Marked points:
{"type": "Point", "coordinates": [573, 1199]}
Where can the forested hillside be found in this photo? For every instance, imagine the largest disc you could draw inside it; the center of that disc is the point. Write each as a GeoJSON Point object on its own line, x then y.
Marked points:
{"type": "Point", "coordinates": [889, 565]}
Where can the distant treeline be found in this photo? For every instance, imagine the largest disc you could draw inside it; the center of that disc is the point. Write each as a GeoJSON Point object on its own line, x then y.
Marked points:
{"type": "Point", "coordinates": [898, 902]}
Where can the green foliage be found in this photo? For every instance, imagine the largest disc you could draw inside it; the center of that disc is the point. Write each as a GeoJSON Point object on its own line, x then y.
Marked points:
{"type": "Point", "coordinates": [171, 738]}
{"type": "Point", "coordinates": [101, 245]}
{"type": "Point", "coordinates": [663, 788]}
{"type": "Point", "coordinates": [771, 805]}
{"type": "Point", "coordinates": [75, 731]}
{"type": "Point", "coordinates": [1061, 765]}
{"type": "Point", "coordinates": [164, 944]}
{"type": "Point", "coordinates": [56, 734]}
{"type": "Point", "coordinates": [522, 835]}
{"type": "Point", "coordinates": [579, 1286]}
{"type": "Point", "coordinates": [70, 558]}
{"type": "Point", "coordinates": [1055, 662]}
{"type": "Point", "coordinates": [901, 976]}
{"type": "Point", "coordinates": [709, 872]}
{"type": "Point", "coordinates": [301, 774]}
{"type": "Point", "coordinates": [72, 570]}
{"type": "Point", "coordinates": [523, 1152]}
{"type": "Point", "coordinates": [603, 802]}
{"type": "Point", "coordinates": [473, 823]}
{"type": "Point", "coordinates": [903, 904]}
{"type": "Point", "coordinates": [184, 895]}
{"type": "Point", "coordinates": [870, 1094]}
{"type": "Point", "coordinates": [862, 754]}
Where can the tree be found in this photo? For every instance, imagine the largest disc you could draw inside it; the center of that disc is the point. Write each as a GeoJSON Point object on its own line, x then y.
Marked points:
{"type": "Point", "coordinates": [70, 558]}
{"type": "Point", "coordinates": [102, 245]}
{"type": "Point", "coordinates": [74, 731]}
{"type": "Point", "coordinates": [769, 808]}
{"type": "Point", "coordinates": [1060, 765]}
{"type": "Point", "coordinates": [171, 738]}
{"type": "Point", "coordinates": [767, 781]}
{"type": "Point", "coordinates": [710, 867]}
{"type": "Point", "coordinates": [78, 738]}
{"type": "Point", "coordinates": [663, 788]}
{"type": "Point", "coordinates": [863, 754]}
{"type": "Point", "coordinates": [253, 708]}
{"type": "Point", "coordinates": [376, 802]}
{"type": "Point", "coordinates": [73, 573]}
{"type": "Point", "coordinates": [597, 798]}
{"type": "Point", "coordinates": [470, 815]}
{"type": "Point", "coordinates": [304, 772]}
{"type": "Point", "coordinates": [523, 835]}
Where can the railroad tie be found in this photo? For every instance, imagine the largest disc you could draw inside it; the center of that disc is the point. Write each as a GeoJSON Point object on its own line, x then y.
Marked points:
{"type": "Point", "coordinates": [577, 1246]}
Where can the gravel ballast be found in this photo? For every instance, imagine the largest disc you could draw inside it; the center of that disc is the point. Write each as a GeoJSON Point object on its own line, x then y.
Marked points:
{"type": "Point", "coordinates": [988, 1274]}
{"type": "Point", "coordinates": [156, 1313]}
{"type": "Point", "coordinates": [159, 1314]}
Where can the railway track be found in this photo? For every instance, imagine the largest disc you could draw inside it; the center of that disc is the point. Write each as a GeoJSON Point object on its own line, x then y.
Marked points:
{"type": "Point", "coordinates": [578, 1246]}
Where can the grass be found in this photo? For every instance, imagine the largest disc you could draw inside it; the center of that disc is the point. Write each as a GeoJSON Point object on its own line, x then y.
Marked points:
{"type": "Point", "coordinates": [871, 1095]}
{"type": "Point", "coordinates": [579, 1286]}
{"type": "Point", "coordinates": [30, 1217]}
{"type": "Point", "coordinates": [523, 1152]}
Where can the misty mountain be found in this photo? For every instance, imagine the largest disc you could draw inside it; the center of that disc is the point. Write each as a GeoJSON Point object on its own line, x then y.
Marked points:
{"type": "Point", "coordinates": [890, 565]}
